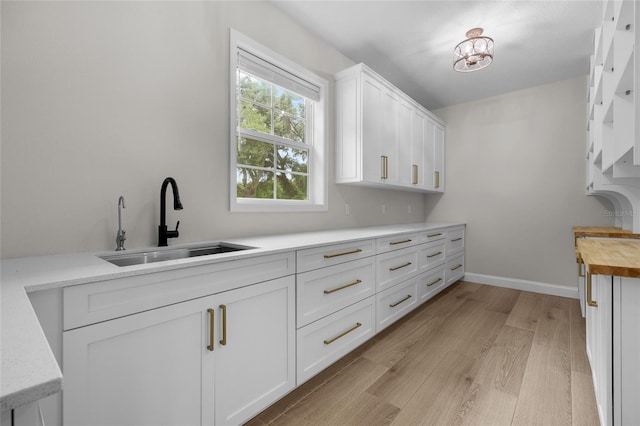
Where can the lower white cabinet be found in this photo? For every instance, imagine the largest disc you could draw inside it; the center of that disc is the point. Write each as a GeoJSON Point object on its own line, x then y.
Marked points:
{"type": "Point", "coordinates": [454, 269]}
{"type": "Point", "coordinates": [430, 283]}
{"type": "Point", "coordinates": [395, 302]}
{"type": "Point", "coordinates": [219, 359]}
{"type": "Point", "coordinates": [613, 346]}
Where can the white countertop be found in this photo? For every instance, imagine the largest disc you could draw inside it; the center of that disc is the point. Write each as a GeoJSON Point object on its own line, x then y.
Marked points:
{"type": "Point", "coordinates": [29, 370]}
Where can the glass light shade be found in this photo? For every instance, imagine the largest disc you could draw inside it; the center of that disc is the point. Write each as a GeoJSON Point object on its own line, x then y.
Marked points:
{"type": "Point", "coordinates": [473, 54]}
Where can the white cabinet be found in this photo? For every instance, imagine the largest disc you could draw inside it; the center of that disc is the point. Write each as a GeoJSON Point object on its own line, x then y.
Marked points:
{"type": "Point", "coordinates": [613, 346]}
{"type": "Point", "coordinates": [217, 359]}
{"type": "Point", "coordinates": [383, 137]}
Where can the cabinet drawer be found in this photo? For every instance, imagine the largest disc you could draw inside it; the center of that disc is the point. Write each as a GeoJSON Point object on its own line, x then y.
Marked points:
{"type": "Point", "coordinates": [396, 242]}
{"type": "Point", "coordinates": [455, 240]}
{"type": "Point", "coordinates": [431, 255]}
{"type": "Point", "coordinates": [324, 291]}
{"type": "Point", "coordinates": [396, 266]}
{"type": "Point", "coordinates": [430, 283]}
{"type": "Point", "coordinates": [432, 235]}
{"type": "Point", "coordinates": [395, 302]}
{"type": "Point", "coordinates": [325, 341]}
{"type": "Point", "coordinates": [454, 269]}
{"type": "Point", "coordinates": [104, 300]}
{"type": "Point", "coordinates": [320, 257]}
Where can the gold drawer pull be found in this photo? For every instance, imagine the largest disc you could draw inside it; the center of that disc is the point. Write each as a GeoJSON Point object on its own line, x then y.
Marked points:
{"type": "Point", "coordinates": [223, 342]}
{"type": "Point", "coordinates": [395, 268]}
{"type": "Point", "coordinates": [344, 333]}
{"type": "Point", "coordinates": [434, 235]}
{"type": "Point", "coordinates": [415, 174]}
{"type": "Point", "coordinates": [385, 167]}
{"type": "Point", "coordinates": [342, 253]}
{"type": "Point", "coordinates": [590, 301]}
{"type": "Point", "coordinates": [434, 254]}
{"type": "Point", "coordinates": [456, 267]}
{"type": "Point", "coordinates": [435, 282]}
{"type": "Point", "coordinates": [437, 179]}
{"type": "Point", "coordinates": [580, 263]}
{"type": "Point", "coordinates": [393, 243]}
{"type": "Point", "coordinates": [456, 239]}
{"type": "Point", "coordinates": [342, 287]}
{"type": "Point", "coordinates": [393, 305]}
{"type": "Point", "coordinates": [211, 328]}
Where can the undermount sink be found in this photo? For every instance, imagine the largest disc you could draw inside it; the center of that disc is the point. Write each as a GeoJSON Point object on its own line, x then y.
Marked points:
{"type": "Point", "coordinates": [139, 258]}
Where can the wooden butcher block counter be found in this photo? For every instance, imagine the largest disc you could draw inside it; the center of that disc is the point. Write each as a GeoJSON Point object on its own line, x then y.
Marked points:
{"type": "Point", "coordinates": [611, 257]}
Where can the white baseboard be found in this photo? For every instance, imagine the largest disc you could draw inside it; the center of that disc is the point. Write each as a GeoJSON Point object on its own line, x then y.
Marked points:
{"type": "Point", "coordinates": [516, 284]}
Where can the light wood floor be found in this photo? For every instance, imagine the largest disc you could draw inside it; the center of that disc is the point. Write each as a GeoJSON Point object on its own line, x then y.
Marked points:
{"type": "Point", "coordinates": [474, 354]}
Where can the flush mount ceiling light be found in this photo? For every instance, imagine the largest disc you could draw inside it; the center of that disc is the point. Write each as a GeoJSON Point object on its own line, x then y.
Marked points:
{"type": "Point", "coordinates": [473, 54]}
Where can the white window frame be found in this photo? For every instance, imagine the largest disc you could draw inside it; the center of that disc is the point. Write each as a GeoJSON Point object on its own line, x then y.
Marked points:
{"type": "Point", "coordinates": [317, 167]}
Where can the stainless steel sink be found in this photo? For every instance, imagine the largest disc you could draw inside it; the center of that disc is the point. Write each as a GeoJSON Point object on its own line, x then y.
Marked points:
{"type": "Point", "coordinates": [139, 258]}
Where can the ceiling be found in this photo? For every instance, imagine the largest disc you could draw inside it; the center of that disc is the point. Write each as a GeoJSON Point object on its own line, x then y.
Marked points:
{"type": "Point", "coordinates": [411, 43]}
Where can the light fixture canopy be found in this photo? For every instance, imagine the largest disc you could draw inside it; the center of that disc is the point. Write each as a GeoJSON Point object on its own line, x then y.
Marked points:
{"type": "Point", "coordinates": [473, 54]}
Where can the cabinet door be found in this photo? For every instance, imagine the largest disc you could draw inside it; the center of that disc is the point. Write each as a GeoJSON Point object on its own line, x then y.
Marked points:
{"type": "Point", "coordinates": [389, 132]}
{"type": "Point", "coordinates": [407, 175]}
{"type": "Point", "coordinates": [372, 161]}
{"type": "Point", "coordinates": [418, 147]}
{"type": "Point", "coordinates": [438, 165]}
{"type": "Point", "coordinates": [146, 368]}
{"type": "Point", "coordinates": [254, 348]}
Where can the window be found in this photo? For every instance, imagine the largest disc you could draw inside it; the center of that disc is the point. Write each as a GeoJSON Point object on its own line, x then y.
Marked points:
{"type": "Point", "coordinates": [278, 149]}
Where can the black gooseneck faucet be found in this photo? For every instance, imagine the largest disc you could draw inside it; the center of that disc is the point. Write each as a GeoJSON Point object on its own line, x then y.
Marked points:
{"type": "Point", "coordinates": [163, 234]}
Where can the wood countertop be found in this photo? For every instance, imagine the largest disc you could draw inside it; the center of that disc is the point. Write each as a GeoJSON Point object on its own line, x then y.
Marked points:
{"type": "Point", "coordinates": [603, 232]}
{"type": "Point", "coordinates": [611, 257]}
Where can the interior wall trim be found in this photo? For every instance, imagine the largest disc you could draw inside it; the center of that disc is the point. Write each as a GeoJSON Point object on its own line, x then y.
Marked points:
{"type": "Point", "coordinates": [517, 284]}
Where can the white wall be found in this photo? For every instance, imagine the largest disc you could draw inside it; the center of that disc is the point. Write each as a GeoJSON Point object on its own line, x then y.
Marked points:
{"type": "Point", "coordinates": [107, 99]}
{"type": "Point", "coordinates": [516, 176]}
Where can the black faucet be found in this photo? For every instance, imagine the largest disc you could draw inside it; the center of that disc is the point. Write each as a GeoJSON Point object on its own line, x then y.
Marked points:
{"type": "Point", "coordinates": [163, 234]}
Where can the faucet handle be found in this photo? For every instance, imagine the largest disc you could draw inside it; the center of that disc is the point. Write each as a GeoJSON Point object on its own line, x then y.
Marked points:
{"type": "Point", "coordinates": [177, 224]}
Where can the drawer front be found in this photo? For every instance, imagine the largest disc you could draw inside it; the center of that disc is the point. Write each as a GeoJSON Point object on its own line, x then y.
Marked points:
{"type": "Point", "coordinates": [320, 257]}
{"type": "Point", "coordinates": [455, 240]}
{"type": "Point", "coordinates": [454, 269]}
{"type": "Point", "coordinates": [432, 235]}
{"type": "Point", "coordinates": [101, 301]}
{"type": "Point", "coordinates": [324, 291]}
{"type": "Point", "coordinates": [325, 341]}
{"type": "Point", "coordinates": [431, 283]}
{"type": "Point", "coordinates": [394, 303]}
{"type": "Point", "coordinates": [396, 266]}
{"type": "Point", "coordinates": [396, 242]}
{"type": "Point", "coordinates": [431, 255]}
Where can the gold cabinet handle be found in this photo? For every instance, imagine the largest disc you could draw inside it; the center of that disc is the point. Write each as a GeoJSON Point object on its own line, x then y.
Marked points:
{"type": "Point", "coordinates": [415, 174]}
{"type": "Point", "coordinates": [580, 263]}
{"type": "Point", "coordinates": [393, 305]}
{"type": "Point", "coordinates": [456, 239]}
{"type": "Point", "coordinates": [342, 287]}
{"type": "Point", "coordinates": [437, 179]}
{"type": "Point", "coordinates": [223, 341]}
{"type": "Point", "coordinates": [395, 268]}
{"type": "Point", "coordinates": [393, 243]}
{"type": "Point", "coordinates": [434, 254]}
{"type": "Point", "coordinates": [385, 167]}
{"type": "Point", "coordinates": [590, 301]}
{"type": "Point", "coordinates": [456, 267]}
{"type": "Point", "coordinates": [211, 328]}
{"type": "Point", "coordinates": [342, 253]}
{"type": "Point", "coordinates": [435, 282]}
{"type": "Point", "coordinates": [344, 333]}
{"type": "Point", "coordinates": [434, 235]}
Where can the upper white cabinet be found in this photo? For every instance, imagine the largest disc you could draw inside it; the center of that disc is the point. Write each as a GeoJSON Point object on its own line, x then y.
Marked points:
{"type": "Point", "coordinates": [613, 143]}
{"type": "Point", "coordinates": [383, 137]}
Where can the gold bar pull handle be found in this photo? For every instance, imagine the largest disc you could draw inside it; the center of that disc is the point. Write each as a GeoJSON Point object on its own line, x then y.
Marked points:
{"type": "Point", "coordinates": [223, 341]}
{"type": "Point", "coordinates": [393, 243]}
{"type": "Point", "coordinates": [211, 329]}
{"type": "Point", "coordinates": [342, 287]}
{"type": "Point", "coordinates": [580, 263]}
{"type": "Point", "coordinates": [415, 174]}
{"type": "Point", "coordinates": [393, 305]}
{"type": "Point", "coordinates": [434, 254]}
{"type": "Point", "coordinates": [344, 333]}
{"type": "Point", "coordinates": [456, 239]}
{"type": "Point", "coordinates": [385, 167]}
{"type": "Point", "coordinates": [395, 268]}
{"type": "Point", "coordinates": [437, 185]}
{"type": "Point", "coordinates": [590, 301]}
{"type": "Point", "coordinates": [456, 267]}
{"type": "Point", "coordinates": [342, 253]}
{"type": "Point", "coordinates": [434, 235]}
{"type": "Point", "coordinates": [435, 282]}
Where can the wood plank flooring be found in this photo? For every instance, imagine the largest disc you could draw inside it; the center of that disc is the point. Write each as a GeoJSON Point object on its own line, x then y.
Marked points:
{"type": "Point", "coordinates": [473, 355]}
